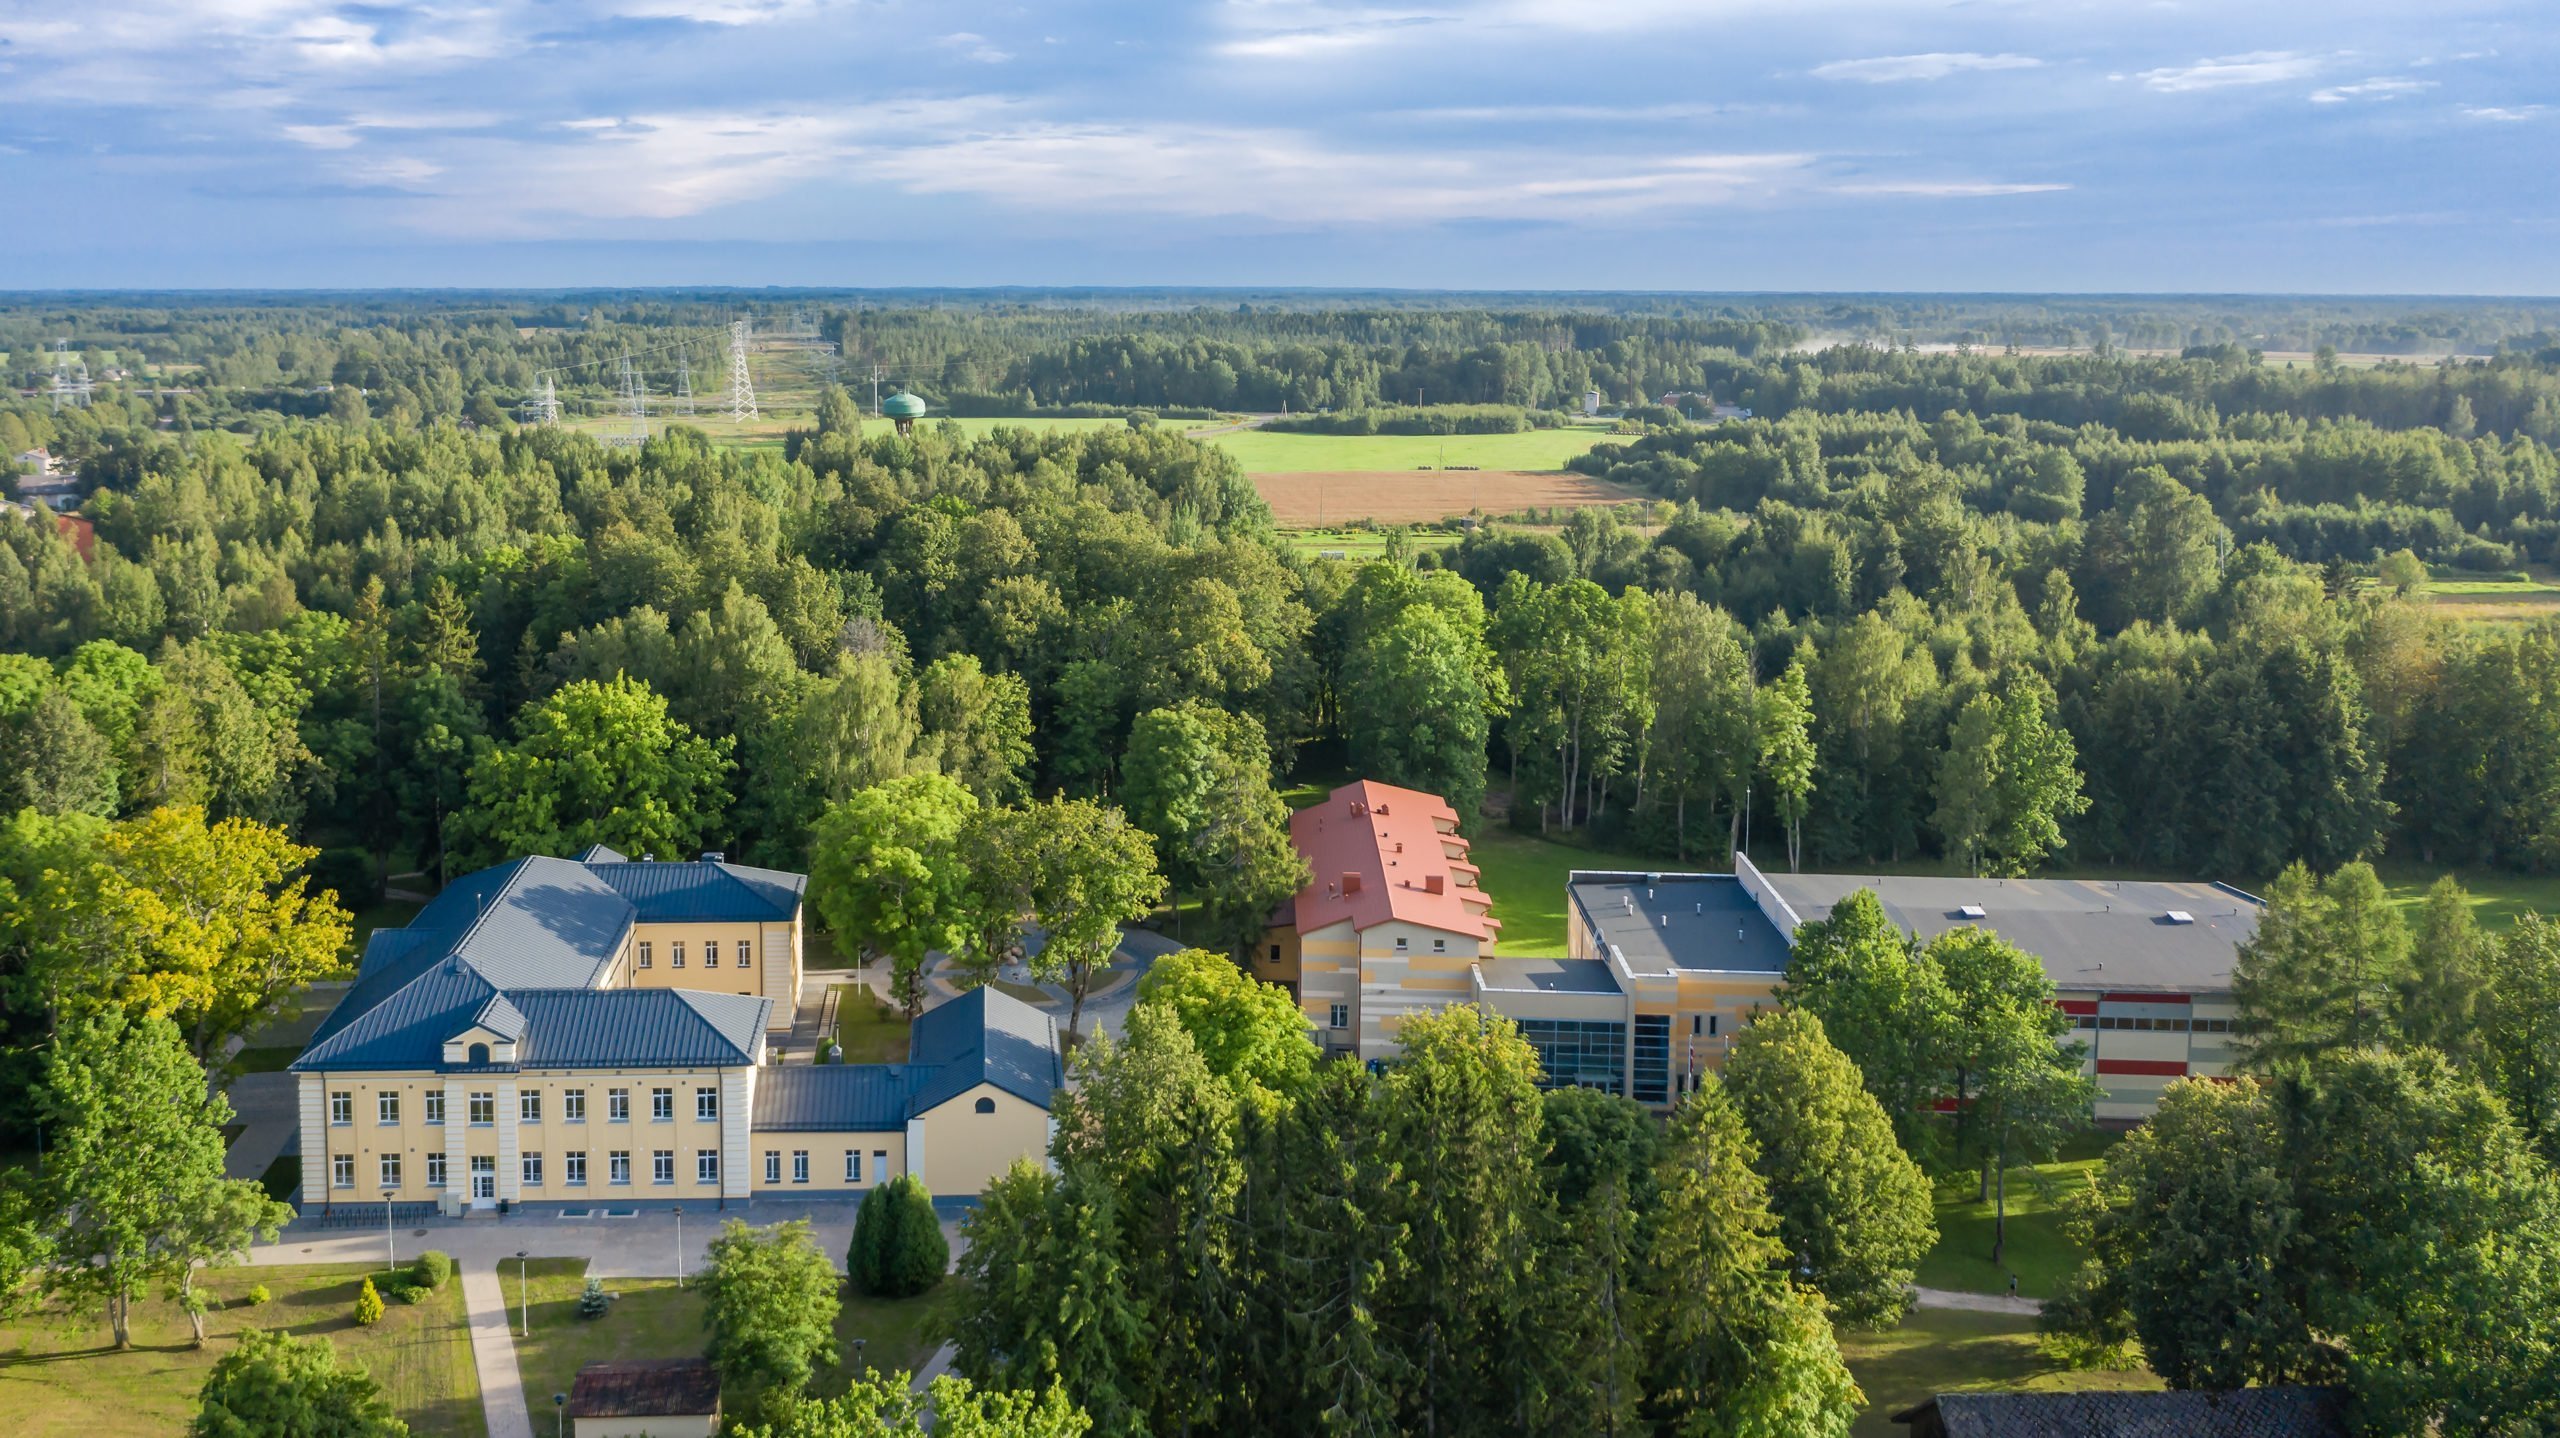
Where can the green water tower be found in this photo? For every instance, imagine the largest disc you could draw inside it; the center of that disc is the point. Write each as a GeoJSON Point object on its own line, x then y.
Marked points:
{"type": "Point", "coordinates": [903, 408]}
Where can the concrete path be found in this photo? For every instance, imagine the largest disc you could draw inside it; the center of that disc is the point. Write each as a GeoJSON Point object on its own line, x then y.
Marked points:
{"type": "Point", "coordinates": [493, 1352]}
{"type": "Point", "coordinates": [643, 1246]}
{"type": "Point", "coordinates": [1976, 1302]}
{"type": "Point", "coordinates": [934, 1367]}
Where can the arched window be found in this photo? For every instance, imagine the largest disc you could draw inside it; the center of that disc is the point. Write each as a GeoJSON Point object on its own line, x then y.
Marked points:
{"type": "Point", "coordinates": [479, 1053]}
{"type": "Point", "coordinates": [986, 1105]}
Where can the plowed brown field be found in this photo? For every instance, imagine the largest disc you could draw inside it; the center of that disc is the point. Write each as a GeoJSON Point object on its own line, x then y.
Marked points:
{"type": "Point", "coordinates": [1418, 496]}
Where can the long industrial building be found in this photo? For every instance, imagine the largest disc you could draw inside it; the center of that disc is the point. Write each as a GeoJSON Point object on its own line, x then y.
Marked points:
{"type": "Point", "coordinates": [1663, 969]}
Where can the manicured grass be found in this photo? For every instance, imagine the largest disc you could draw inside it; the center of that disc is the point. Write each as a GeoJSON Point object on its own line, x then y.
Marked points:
{"type": "Point", "coordinates": [59, 1374]}
{"type": "Point", "coordinates": [1525, 877]}
{"type": "Point", "coordinates": [2497, 899]}
{"type": "Point", "coordinates": [1262, 452]}
{"type": "Point", "coordinates": [870, 1031]}
{"type": "Point", "coordinates": [2037, 1251]}
{"type": "Point", "coordinates": [1361, 544]}
{"type": "Point", "coordinates": [1942, 1351]}
{"type": "Point", "coordinates": [652, 1318]}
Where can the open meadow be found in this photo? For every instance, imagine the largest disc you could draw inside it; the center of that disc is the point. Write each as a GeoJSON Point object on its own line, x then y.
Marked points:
{"type": "Point", "coordinates": [1262, 452]}
{"type": "Point", "coordinates": [1315, 500]}
{"type": "Point", "coordinates": [2520, 597]}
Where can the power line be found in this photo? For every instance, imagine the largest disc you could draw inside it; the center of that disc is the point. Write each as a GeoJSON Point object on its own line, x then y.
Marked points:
{"type": "Point", "coordinates": [541, 408]}
{"type": "Point", "coordinates": [633, 431]}
{"type": "Point", "coordinates": [684, 384]}
{"type": "Point", "coordinates": [70, 378]}
{"type": "Point", "coordinates": [742, 385]}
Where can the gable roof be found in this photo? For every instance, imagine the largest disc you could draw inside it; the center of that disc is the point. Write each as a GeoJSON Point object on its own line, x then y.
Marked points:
{"type": "Point", "coordinates": [645, 1388]}
{"type": "Point", "coordinates": [812, 1098]}
{"type": "Point", "coordinates": [701, 890]}
{"type": "Point", "coordinates": [603, 1028]}
{"type": "Point", "coordinates": [985, 1036]}
{"type": "Point", "coordinates": [2291, 1411]}
{"type": "Point", "coordinates": [1376, 852]}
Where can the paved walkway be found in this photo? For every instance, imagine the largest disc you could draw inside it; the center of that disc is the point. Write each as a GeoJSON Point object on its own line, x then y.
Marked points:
{"type": "Point", "coordinates": [493, 1352]}
{"type": "Point", "coordinates": [1976, 1302]}
{"type": "Point", "coordinates": [642, 1246]}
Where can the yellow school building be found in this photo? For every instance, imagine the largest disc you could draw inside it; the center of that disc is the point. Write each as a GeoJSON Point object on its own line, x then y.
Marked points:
{"type": "Point", "coordinates": [597, 1031]}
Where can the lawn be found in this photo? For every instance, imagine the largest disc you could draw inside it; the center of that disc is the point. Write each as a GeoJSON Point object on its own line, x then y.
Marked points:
{"type": "Point", "coordinates": [57, 1375]}
{"type": "Point", "coordinates": [1262, 452]}
{"type": "Point", "coordinates": [1942, 1351]}
{"type": "Point", "coordinates": [652, 1318]}
{"type": "Point", "coordinates": [1361, 544]}
{"type": "Point", "coordinates": [870, 1031]}
{"type": "Point", "coordinates": [1525, 876]}
{"type": "Point", "coordinates": [2517, 596]}
{"type": "Point", "coordinates": [2037, 1252]}
{"type": "Point", "coordinates": [2497, 899]}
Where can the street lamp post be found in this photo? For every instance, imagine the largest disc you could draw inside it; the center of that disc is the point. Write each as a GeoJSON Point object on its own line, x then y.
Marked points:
{"type": "Point", "coordinates": [524, 1291]}
{"type": "Point", "coordinates": [679, 1245]}
{"type": "Point", "coordinates": [560, 1414]}
{"type": "Point", "coordinates": [390, 1245]}
{"type": "Point", "coordinates": [857, 1355]}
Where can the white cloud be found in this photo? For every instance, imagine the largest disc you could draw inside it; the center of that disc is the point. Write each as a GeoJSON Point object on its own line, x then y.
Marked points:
{"type": "Point", "coordinates": [1303, 42]}
{"type": "Point", "coordinates": [2505, 114]}
{"type": "Point", "coordinates": [973, 46]}
{"type": "Point", "coordinates": [2378, 88]}
{"type": "Point", "coordinates": [1945, 189]}
{"type": "Point", "coordinates": [1937, 65]}
{"type": "Point", "coordinates": [2259, 67]}
{"type": "Point", "coordinates": [321, 137]}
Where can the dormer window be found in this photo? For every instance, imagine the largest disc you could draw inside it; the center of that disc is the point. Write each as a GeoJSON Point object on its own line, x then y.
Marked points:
{"type": "Point", "coordinates": [477, 1054]}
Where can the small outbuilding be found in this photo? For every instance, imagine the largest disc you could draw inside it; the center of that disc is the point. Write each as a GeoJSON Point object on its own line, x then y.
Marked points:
{"type": "Point", "coordinates": [2283, 1411]}
{"type": "Point", "coordinates": [646, 1398]}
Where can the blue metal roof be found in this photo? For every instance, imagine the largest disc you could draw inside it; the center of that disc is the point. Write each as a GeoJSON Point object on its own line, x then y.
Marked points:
{"type": "Point", "coordinates": [649, 1028]}
{"type": "Point", "coordinates": [815, 1098]}
{"type": "Point", "coordinates": [700, 891]}
{"type": "Point", "coordinates": [984, 1036]}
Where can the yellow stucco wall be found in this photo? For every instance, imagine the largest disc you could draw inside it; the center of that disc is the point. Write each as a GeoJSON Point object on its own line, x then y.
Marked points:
{"type": "Point", "coordinates": [706, 1426]}
{"type": "Point", "coordinates": [884, 1156]}
{"type": "Point", "coordinates": [965, 1150]}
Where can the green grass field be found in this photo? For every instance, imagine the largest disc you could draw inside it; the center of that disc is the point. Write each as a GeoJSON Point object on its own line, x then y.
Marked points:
{"type": "Point", "coordinates": [1262, 452]}
{"type": "Point", "coordinates": [2037, 1251]}
{"type": "Point", "coordinates": [2497, 899]}
{"type": "Point", "coordinates": [2517, 597]}
{"type": "Point", "coordinates": [652, 1318]}
{"type": "Point", "coordinates": [1941, 1351]}
{"type": "Point", "coordinates": [870, 1031]}
{"type": "Point", "coordinates": [1525, 877]}
{"type": "Point", "coordinates": [59, 1375]}
{"type": "Point", "coordinates": [1360, 544]}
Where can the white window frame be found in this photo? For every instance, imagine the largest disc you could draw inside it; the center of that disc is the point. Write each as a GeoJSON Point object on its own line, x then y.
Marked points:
{"type": "Point", "coordinates": [799, 1165]}
{"type": "Point", "coordinates": [342, 1170]}
{"type": "Point", "coordinates": [647, 955]}
{"type": "Point", "coordinates": [529, 1106]}
{"type": "Point", "coordinates": [662, 1166]}
{"type": "Point", "coordinates": [435, 1169]}
{"type": "Point", "coordinates": [483, 1103]}
{"type": "Point", "coordinates": [706, 1165]}
{"type": "Point", "coordinates": [773, 1165]}
{"type": "Point", "coordinates": [617, 1105]}
{"type": "Point", "coordinates": [1337, 1016]}
{"type": "Point", "coordinates": [853, 1165]}
{"type": "Point", "coordinates": [675, 953]}
{"type": "Point", "coordinates": [386, 1107]}
{"type": "Point", "coordinates": [617, 1167]}
{"type": "Point", "coordinates": [573, 1168]}
{"type": "Point", "coordinates": [435, 1106]}
{"type": "Point", "coordinates": [389, 1164]}
{"type": "Point", "coordinates": [746, 953]}
{"type": "Point", "coordinates": [573, 1105]}
{"type": "Point", "coordinates": [530, 1167]}
{"type": "Point", "coordinates": [711, 953]}
{"type": "Point", "coordinates": [342, 1108]}
{"type": "Point", "coordinates": [662, 1105]}
{"type": "Point", "coordinates": [706, 1105]}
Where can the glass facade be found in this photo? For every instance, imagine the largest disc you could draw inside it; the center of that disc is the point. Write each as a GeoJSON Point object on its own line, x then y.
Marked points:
{"type": "Point", "coordinates": [1577, 1053]}
{"type": "Point", "coordinates": [1653, 1058]}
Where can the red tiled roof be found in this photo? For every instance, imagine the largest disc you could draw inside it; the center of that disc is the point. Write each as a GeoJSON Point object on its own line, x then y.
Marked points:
{"type": "Point", "coordinates": [1380, 853]}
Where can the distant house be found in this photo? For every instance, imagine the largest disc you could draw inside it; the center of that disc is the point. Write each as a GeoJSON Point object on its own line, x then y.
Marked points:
{"type": "Point", "coordinates": [1592, 399]}
{"type": "Point", "coordinates": [34, 461]}
{"type": "Point", "coordinates": [2292, 1411]}
{"type": "Point", "coordinates": [646, 1398]}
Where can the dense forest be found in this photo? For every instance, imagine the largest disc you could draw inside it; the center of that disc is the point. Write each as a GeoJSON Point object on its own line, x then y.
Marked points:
{"type": "Point", "coordinates": [328, 614]}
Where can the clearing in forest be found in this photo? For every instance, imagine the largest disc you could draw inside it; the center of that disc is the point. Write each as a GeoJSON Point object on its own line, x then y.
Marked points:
{"type": "Point", "coordinates": [1262, 452]}
{"type": "Point", "coordinates": [1305, 501]}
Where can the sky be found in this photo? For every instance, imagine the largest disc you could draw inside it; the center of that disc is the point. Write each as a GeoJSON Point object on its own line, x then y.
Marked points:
{"type": "Point", "coordinates": [2297, 146]}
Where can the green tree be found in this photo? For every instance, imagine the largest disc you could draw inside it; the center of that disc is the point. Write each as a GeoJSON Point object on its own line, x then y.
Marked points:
{"type": "Point", "coordinates": [274, 1385]}
{"type": "Point", "coordinates": [597, 764]}
{"type": "Point", "coordinates": [1416, 711]}
{"type": "Point", "coordinates": [133, 1187]}
{"type": "Point", "coordinates": [1199, 780]}
{"type": "Point", "coordinates": [2016, 1081]}
{"type": "Point", "coordinates": [769, 1306]}
{"type": "Point", "coordinates": [885, 873]}
{"type": "Point", "coordinates": [1252, 1035]}
{"type": "Point", "coordinates": [1736, 1350]}
{"type": "Point", "coordinates": [55, 760]}
{"type": "Point", "coordinates": [1079, 870]}
{"type": "Point", "coordinates": [890, 1406]}
{"type": "Point", "coordinates": [2323, 973]}
{"type": "Point", "coordinates": [1704, 741]}
{"type": "Point", "coordinates": [898, 1249]}
{"type": "Point", "coordinates": [976, 727]}
{"type": "Point", "coordinates": [1853, 1210]}
{"type": "Point", "coordinates": [2521, 1029]}
{"type": "Point", "coordinates": [2448, 978]}
{"type": "Point", "coordinates": [2007, 780]}
{"type": "Point", "coordinates": [1787, 752]}
{"type": "Point", "coordinates": [1884, 1003]}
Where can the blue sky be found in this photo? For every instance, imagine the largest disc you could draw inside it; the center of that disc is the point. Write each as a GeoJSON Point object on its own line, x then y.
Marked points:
{"type": "Point", "coordinates": [2189, 145]}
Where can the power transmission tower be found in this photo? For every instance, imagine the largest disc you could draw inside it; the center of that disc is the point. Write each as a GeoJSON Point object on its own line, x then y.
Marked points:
{"type": "Point", "coordinates": [70, 378]}
{"type": "Point", "coordinates": [877, 374]}
{"type": "Point", "coordinates": [742, 385]}
{"type": "Point", "coordinates": [684, 384]}
{"type": "Point", "coordinates": [634, 429]}
{"type": "Point", "coordinates": [542, 406]}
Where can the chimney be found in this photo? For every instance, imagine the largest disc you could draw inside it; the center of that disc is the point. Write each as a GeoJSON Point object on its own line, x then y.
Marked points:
{"type": "Point", "coordinates": [1350, 883]}
{"type": "Point", "coordinates": [1435, 884]}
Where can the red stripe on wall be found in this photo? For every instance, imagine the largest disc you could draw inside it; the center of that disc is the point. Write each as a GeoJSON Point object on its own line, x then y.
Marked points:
{"type": "Point", "coordinates": [2174, 1068]}
{"type": "Point", "coordinates": [2146, 998]}
{"type": "Point", "coordinates": [2076, 1006]}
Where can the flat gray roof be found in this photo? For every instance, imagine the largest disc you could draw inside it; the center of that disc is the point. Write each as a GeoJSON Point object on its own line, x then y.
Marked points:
{"type": "Point", "coordinates": [1555, 976]}
{"type": "Point", "coordinates": [1702, 922]}
{"type": "Point", "coordinates": [2091, 933]}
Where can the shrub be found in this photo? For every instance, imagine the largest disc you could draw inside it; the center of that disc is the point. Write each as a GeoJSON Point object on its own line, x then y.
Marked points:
{"type": "Point", "coordinates": [432, 1269]}
{"type": "Point", "coordinates": [368, 1305]}
{"type": "Point", "coordinates": [258, 1295]}
{"type": "Point", "coordinates": [592, 1300]}
{"type": "Point", "coordinates": [411, 1293]}
{"type": "Point", "coordinates": [898, 1248]}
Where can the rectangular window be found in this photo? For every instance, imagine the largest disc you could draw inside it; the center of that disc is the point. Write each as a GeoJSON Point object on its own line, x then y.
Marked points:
{"type": "Point", "coordinates": [533, 1170]}
{"type": "Point", "coordinates": [617, 1166]}
{"type": "Point", "coordinates": [1275, 953]}
{"type": "Point", "coordinates": [484, 1109]}
{"type": "Point", "coordinates": [662, 1105]}
{"type": "Point", "coordinates": [662, 1166]}
{"type": "Point", "coordinates": [529, 1106]}
{"type": "Point", "coordinates": [573, 1105]}
{"type": "Point", "coordinates": [648, 958]}
{"type": "Point", "coordinates": [706, 1105]}
{"type": "Point", "coordinates": [1338, 1016]}
{"type": "Point", "coordinates": [1652, 1076]}
{"type": "Point", "coordinates": [1697, 1023]}
{"type": "Point", "coordinates": [573, 1166]}
{"type": "Point", "coordinates": [342, 1170]}
{"type": "Point", "coordinates": [342, 1107]}
{"type": "Point", "coordinates": [391, 1170]}
{"type": "Point", "coordinates": [435, 1105]}
{"type": "Point", "coordinates": [1711, 1024]}
{"type": "Point", "coordinates": [617, 1105]}
{"type": "Point", "coordinates": [675, 954]}
{"type": "Point", "coordinates": [746, 954]}
{"type": "Point", "coordinates": [853, 1166]}
{"type": "Point", "coordinates": [1439, 946]}
{"type": "Point", "coordinates": [435, 1170]}
{"type": "Point", "coordinates": [386, 1107]}
{"type": "Point", "coordinates": [800, 1165]}
{"type": "Point", "coordinates": [1401, 941]}
{"type": "Point", "coordinates": [711, 953]}
{"type": "Point", "coordinates": [1588, 1053]}
{"type": "Point", "coordinates": [772, 1166]}
{"type": "Point", "coordinates": [706, 1165]}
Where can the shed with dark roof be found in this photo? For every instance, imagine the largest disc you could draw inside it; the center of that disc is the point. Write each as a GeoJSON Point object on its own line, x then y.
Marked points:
{"type": "Point", "coordinates": [2289, 1411]}
{"type": "Point", "coordinates": [646, 1398]}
